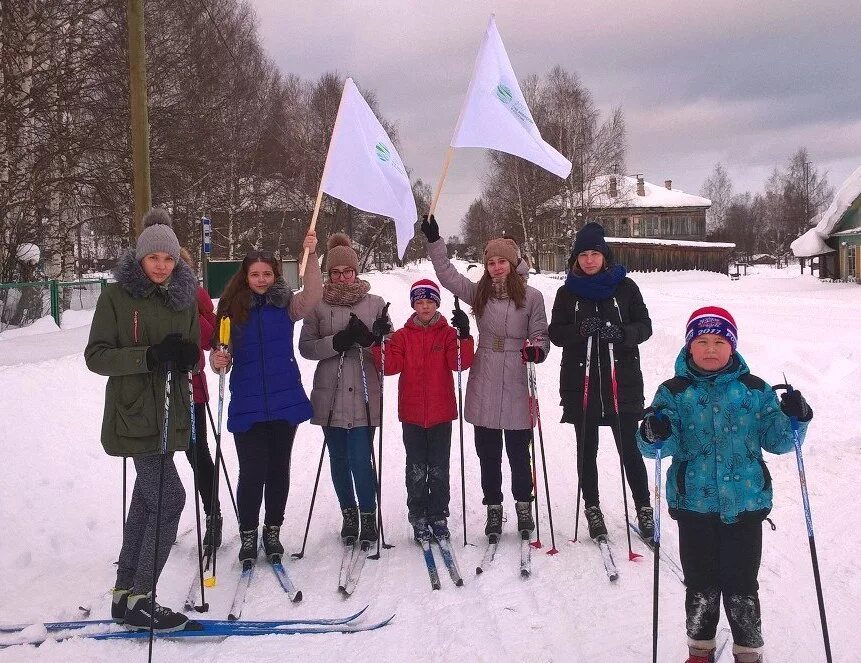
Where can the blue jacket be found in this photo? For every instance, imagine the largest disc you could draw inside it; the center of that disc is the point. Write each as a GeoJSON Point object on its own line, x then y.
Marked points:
{"type": "Point", "coordinates": [265, 383]}
{"type": "Point", "coordinates": [720, 425]}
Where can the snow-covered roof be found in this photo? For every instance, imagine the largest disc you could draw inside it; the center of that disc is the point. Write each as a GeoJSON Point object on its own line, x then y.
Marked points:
{"type": "Point", "coordinates": [656, 195]}
{"type": "Point", "coordinates": [812, 243]}
{"type": "Point", "coordinates": [668, 242]}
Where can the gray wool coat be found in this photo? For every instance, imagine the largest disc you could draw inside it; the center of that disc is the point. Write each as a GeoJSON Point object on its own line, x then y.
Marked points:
{"type": "Point", "coordinates": [496, 392]}
{"type": "Point", "coordinates": [315, 342]}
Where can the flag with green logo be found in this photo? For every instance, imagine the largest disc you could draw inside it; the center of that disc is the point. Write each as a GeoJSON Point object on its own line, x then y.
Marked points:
{"type": "Point", "coordinates": [363, 167]}
{"type": "Point", "coordinates": [495, 114]}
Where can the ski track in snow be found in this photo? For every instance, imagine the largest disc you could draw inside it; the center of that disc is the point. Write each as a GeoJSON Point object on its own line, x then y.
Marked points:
{"type": "Point", "coordinates": [61, 506]}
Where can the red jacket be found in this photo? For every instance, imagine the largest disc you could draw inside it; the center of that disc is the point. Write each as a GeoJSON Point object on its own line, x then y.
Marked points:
{"type": "Point", "coordinates": [206, 317]}
{"type": "Point", "coordinates": [425, 357]}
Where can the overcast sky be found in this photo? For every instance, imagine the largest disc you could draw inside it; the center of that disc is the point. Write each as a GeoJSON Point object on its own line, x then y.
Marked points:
{"type": "Point", "coordinates": [744, 83]}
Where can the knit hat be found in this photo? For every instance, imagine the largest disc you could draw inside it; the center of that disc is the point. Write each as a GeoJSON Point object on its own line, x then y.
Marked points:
{"type": "Point", "coordinates": [590, 238]}
{"type": "Point", "coordinates": [424, 289]}
{"type": "Point", "coordinates": [157, 235]}
{"type": "Point", "coordinates": [341, 252]}
{"type": "Point", "coordinates": [711, 320]}
{"type": "Point", "coordinates": [502, 247]}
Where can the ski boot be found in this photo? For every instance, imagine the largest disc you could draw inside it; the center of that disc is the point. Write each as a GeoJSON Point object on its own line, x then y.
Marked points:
{"type": "Point", "coordinates": [142, 610]}
{"type": "Point", "coordinates": [595, 519]}
{"type": "Point", "coordinates": [421, 532]}
{"type": "Point", "coordinates": [248, 546]}
{"type": "Point", "coordinates": [271, 543]}
{"type": "Point", "coordinates": [525, 523]}
{"type": "Point", "coordinates": [369, 534]}
{"type": "Point", "coordinates": [119, 600]}
{"type": "Point", "coordinates": [493, 528]}
{"type": "Point", "coordinates": [747, 657]}
{"type": "Point", "coordinates": [350, 526]}
{"type": "Point", "coordinates": [440, 529]}
{"type": "Point", "coordinates": [212, 538]}
{"type": "Point", "coordinates": [646, 522]}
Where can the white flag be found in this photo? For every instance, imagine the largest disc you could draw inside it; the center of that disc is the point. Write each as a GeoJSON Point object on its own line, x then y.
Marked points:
{"type": "Point", "coordinates": [363, 167]}
{"type": "Point", "coordinates": [495, 113]}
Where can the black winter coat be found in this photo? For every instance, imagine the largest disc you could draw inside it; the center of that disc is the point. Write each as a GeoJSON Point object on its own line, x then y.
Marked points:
{"type": "Point", "coordinates": [569, 310]}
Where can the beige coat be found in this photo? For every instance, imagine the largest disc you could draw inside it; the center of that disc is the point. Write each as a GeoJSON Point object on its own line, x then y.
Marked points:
{"type": "Point", "coordinates": [496, 393]}
{"type": "Point", "coordinates": [315, 342]}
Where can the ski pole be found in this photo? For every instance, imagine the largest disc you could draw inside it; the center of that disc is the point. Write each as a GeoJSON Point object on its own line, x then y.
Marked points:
{"type": "Point", "coordinates": [165, 432]}
{"type": "Point", "coordinates": [223, 345]}
{"type": "Point", "coordinates": [204, 606]}
{"type": "Point", "coordinates": [125, 474]}
{"type": "Point", "coordinates": [533, 380]}
{"type": "Point", "coordinates": [621, 445]}
{"type": "Point", "coordinates": [808, 517]}
{"type": "Point", "coordinates": [217, 435]}
{"type": "Point", "coordinates": [460, 425]}
{"type": "Point", "coordinates": [656, 547]}
{"type": "Point", "coordinates": [301, 553]}
{"type": "Point", "coordinates": [582, 440]}
{"type": "Point", "coordinates": [533, 459]}
{"type": "Point", "coordinates": [380, 443]}
{"type": "Point", "coordinates": [382, 536]}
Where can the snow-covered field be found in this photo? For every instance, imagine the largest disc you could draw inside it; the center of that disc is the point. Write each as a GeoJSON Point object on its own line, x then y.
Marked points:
{"type": "Point", "coordinates": [60, 507]}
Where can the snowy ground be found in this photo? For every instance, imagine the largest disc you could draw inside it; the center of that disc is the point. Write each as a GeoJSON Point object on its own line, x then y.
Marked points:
{"type": "Point", "coordinates": [60, 507]}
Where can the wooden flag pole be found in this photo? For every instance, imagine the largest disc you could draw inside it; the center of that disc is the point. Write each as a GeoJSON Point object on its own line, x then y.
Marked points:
{"type": "Point", "coordinates": [313, 224]}
{"type": "Point", "coordinates": [448, 155]}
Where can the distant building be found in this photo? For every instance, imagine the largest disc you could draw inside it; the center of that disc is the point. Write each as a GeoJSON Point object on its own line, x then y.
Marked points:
{"type": "Point", "coordinates": [666, 226]}
{"type": "Point", "coordinates": [833, 245]}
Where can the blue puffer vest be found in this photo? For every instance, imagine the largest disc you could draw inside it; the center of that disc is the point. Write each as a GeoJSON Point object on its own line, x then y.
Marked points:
{"type": "Point", "coordinates": [265, 383]}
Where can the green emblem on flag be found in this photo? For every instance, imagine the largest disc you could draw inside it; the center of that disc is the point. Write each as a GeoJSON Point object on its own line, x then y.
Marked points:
{"type": "Point", "coordinates": [503, 93]}
{"type": "Point", "coordinates": [383, 153]}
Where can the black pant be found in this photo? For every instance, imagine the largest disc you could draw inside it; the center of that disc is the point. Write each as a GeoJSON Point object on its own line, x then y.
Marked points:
{"type": "Point", "coordinates": [488, 445]}
{"type": "Point", "coordinates": [427, 471]}
{"type": "Point", "coordinates": [264, 464]}
{"type": "Point", "coordinates": [205, 466]}
{"type": "Point", "coordinates": [635, 468]}
{"type": "Point", "coordinates": [721, 559]}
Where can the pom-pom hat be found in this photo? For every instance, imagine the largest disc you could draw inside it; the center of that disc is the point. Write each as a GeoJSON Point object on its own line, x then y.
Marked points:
{"type": "Point", "coordinates": [157, 235]}
{"type": "Point", "coordinates": [424, 289]}
{"type": "Point", "coordinates": [712, 320]}
{"type": "Point", "coordinates": [341, 252]}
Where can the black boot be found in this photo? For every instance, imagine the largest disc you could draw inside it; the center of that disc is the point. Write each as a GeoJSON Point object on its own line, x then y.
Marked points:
{"type": "Point", "coordinates": [248, 545]}
{"type": "Point", "coordinates": [350, 526]}
{"type": "Point", "coordinates": [595, 519]}
{"type": "Point", "coordinates": [494, 520]}
{"type": "Point", "coordinates": [141, 610]}
{"type": "Point", "coordinates": [646, 522]}
{"type": "Point", "coordinates": [119, 600]}
{"type": "Point", "coordinates": [525, 523]}
{"type": "Point", "coordinates": [272, 543]}
{"type": "Point", "coordinates": [212, 538]}
{"type": "Point", "coordinates": [369, 527]}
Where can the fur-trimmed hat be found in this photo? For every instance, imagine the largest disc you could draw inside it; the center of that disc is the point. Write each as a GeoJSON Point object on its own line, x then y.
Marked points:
{"type": "Point", "coordinates": [157, 235]}
{"type": "Point", "coordinates": [340, 252]}
{"type": "Point", "coordinates": [712, 320]}
{"type": "Point", "coordinates": [502, 247]}
{"type": "Point", "coordinates": [424, 289]}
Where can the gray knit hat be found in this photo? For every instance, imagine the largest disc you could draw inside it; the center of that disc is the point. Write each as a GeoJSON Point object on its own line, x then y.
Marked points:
{"type": "Point", "coordinates": [157, 235]}
{"type": "Point", "coordinates": [341, 252]}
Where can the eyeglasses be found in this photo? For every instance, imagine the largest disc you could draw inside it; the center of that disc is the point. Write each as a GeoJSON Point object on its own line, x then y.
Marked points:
{"type": "Point", "coordinates": [341, 274]}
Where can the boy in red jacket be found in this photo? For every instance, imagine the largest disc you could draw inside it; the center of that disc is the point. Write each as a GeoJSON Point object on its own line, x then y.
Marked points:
{"type": "Point", "coordinates": [424, 352]}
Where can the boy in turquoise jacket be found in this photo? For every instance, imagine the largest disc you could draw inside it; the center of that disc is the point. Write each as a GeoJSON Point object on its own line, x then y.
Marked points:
{"type": "Point", "coordinates": [715, 418]}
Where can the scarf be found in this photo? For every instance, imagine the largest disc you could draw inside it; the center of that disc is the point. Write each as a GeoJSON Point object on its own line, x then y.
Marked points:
{"type": "Point", "coordinates": [500, 289]}
{"type": "Point", "coordinates": [430, 323]}
{"type": "Point", "coordinates": [598, 287]}
{"type": "Point", "coordinates": [345, 294]}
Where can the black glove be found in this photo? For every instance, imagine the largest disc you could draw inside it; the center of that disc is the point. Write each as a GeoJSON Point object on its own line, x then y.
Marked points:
{"type": "Point", "coordinates": [361, 334]}
{"type": "Point", "coordinates": [612, 333]}
{"type": "Point", "coordinates": [343, 340]}
{"type": "Point", "coordinates": [793, 405]}
{"type": "Point", "coordinates": [532, 353]}
{"type": "Point", "coordinates": [460, 321]}
{"type": "Point", "coordinates": [656, 428]}
{"type": "Point", "coordinates": [591, 327]}
{"type": "Point", "coordinates": [183, 354]}
{"type": "Point", "coordinates": [383, 324]}
{"type": "Point", "coordinates": [430, 229]}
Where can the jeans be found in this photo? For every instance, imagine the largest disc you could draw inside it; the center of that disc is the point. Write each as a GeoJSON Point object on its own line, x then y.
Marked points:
{"type": "Point", "coordinates": [350, 464]}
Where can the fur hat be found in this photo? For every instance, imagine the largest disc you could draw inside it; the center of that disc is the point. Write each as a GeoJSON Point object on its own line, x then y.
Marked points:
{"type": "Point", "coordinates": [590, 238]}
{"type": "Point", "coordinates": [424, 289]}
{"type": "Point", "coordinates": [712, 320]}
{"type": "Point", "coordinates": [340, 252]}
{"type": "Point", "coordinates": [502, 247]}
{"type": "Point", "coordinates": [157, 235]}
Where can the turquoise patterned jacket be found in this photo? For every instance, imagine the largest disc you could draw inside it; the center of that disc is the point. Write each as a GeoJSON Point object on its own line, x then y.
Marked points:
{"type": "Point", "coordinates": [720, 425]}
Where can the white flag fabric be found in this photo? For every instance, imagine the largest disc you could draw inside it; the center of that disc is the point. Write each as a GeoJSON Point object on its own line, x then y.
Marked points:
{"type": "Point", "coordinates": [495, 113]}
{"type": "Point", "coordinates": [363, 167]}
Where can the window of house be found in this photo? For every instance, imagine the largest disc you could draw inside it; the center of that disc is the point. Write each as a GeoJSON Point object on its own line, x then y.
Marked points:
{"type": "Point", "coordinates": [850, 260]}
{"type": "Point", "coordinates": [635, 225]}
{"type": "Point", "coordinates": [652, 223]}
{"type": "Point", "coordinates": [666, 226]}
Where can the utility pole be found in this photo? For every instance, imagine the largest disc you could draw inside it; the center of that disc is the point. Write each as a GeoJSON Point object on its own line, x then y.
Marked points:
{"type": "Point", "coordinates": [807, 165]}
{"type": "Point", "coordinates": [139, 117]}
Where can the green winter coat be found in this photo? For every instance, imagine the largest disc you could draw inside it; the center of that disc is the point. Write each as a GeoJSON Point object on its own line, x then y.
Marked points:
{"type": "Point", "coordinates": [131, 315]}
